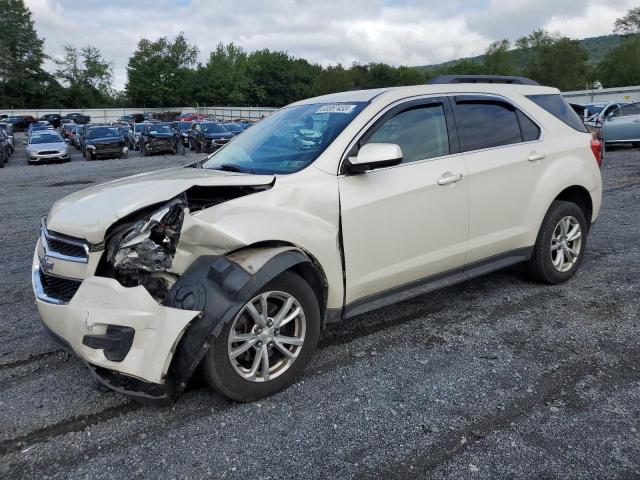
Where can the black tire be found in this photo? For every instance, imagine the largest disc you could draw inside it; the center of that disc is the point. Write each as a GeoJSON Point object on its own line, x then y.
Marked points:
{"type": "Point", "coordinates": [217, 368]}
{"type": "Point", "coordinates": [540, 266]}
{"type": "Point", "coordinates": [190, 145]}
{"type": "Point", "coordinates": [636, 144]}
{"type": "Point", "coordinates": [88, 156]}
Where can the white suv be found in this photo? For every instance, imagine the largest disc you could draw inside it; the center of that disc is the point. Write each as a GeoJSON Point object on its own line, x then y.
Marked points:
{"type": "Point", "coordinates": [326, 209]}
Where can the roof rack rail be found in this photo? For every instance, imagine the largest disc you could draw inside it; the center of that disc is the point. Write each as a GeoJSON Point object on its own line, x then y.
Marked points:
{"type": "Point", "coordinates": [444, 79]}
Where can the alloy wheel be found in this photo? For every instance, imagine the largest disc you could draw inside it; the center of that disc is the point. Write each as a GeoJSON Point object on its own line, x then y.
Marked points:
{"type": "Point", "coordinates": [266, 336]}
{"type": "Point", "coordinates": [566, 242]}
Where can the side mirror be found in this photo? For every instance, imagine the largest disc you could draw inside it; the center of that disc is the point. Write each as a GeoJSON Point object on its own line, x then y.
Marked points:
{"type": "Point", "coordinates": [374, 155]}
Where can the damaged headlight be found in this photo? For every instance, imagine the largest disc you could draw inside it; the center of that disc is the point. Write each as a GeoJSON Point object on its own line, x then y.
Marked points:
{"type": "Point", "coordinates": [149, 244]}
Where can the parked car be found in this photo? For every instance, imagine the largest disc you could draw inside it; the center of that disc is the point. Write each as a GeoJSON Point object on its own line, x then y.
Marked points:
{"type": "Point", "coordinates": [137, 131]}
{"type": "Point", "coordinates": [44, 146]}
{"type": "Point", "coordinates": [208, 136]}
{"type": "Point", "coordinates": [54, 119]}
{"type": "Point", "coordinates": [8, 129]}
{"type": "Point", "coordinates": [78, 118]}
{"type": "Point", "coordinates": [20, 122]}
{"type": "Point", "coordinates": [183, 131]}
{"type": "Point", "coordinates": [126, 131]}
{"type": "Point", "coordinates": [5, 148]}
{"type": "Point", "coordinates": [39, 125]}
{"type": "Point", "coordinates": [597, 112]}
{"type": "Point", "coordinates": [158, 138]}
{"type": "Point", "coordinates": [235, 128]}
{"type": "Point", "coordinates": [104, 141]}
{"type": "Point", "coordinates": [235, 263]}
{"type": "Point", "coordinates": [191, 117]}
{"type": "Point", "coordinates": [623, 125]}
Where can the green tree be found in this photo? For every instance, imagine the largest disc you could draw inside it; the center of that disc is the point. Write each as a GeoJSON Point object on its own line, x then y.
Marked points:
{"type": "Point", "coordinates": [498, 59]}
{"type": "Point", "coordinates": [87, 76]}
{"type": "Point", "coordinates": [629, 24]}
{"type": "Point", "coordinates": [621, 66]}
{"type": "Point", "coordinates": [22, 80]}
{"type": "Point", "coordinates": [554, 60]}
{"type": "Point", "coordinates": [158, 71]}
{"type": "Point", "coordinates": [224, 78]}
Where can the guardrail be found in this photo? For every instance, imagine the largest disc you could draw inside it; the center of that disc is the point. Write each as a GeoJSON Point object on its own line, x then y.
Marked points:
{"type": "Point", "coordinates": [107, 115]}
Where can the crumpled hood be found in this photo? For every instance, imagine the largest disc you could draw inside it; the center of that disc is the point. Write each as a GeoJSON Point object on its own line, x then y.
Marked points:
{"type": "Point", "coordinates": [88, 213]}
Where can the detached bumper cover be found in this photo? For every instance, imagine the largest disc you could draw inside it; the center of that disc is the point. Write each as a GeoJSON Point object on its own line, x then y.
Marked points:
{"type": "Point", "coordinates": [102, 305]}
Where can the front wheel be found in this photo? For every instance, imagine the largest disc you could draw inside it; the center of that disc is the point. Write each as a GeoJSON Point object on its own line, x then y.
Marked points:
{"type": "Point", "coordinates": [269, 342]}
{"type": "Point", "coordinates": [560, 245]}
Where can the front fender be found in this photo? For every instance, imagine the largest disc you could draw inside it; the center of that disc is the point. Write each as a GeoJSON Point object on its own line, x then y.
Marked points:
{"type": "Point", "coordinates": [219, 286]}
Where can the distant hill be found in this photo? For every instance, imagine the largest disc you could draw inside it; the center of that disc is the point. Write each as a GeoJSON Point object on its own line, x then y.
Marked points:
{"type": "Point", "coordinates": [597, 47]}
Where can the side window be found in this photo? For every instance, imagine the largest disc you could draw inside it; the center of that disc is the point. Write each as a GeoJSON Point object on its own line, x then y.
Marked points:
{"type": "Point", "coordinates": [530, 131]}
{"type": "Point", "coordinates": [421, 133]}
{"type": "Point", "coordinates": [629, 110]}
{"type": "Point", "coordinates": [486, 124]}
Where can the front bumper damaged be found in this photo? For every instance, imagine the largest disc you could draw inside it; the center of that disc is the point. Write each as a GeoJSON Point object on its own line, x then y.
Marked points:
{"type": "Point", "coordinates": [122, 334]}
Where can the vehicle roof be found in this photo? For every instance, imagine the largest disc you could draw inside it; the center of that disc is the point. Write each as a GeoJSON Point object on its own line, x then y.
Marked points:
{"type": "Point", "coordinates": [397, 93]}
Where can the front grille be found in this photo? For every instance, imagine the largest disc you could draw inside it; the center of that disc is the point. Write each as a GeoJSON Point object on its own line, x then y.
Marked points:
{"type": "Point", "coordinates": [65, 248]}
{"type": "Point", "coordinates": [58, 288]}
{"type": "Point", "coordinates": [49, 152]}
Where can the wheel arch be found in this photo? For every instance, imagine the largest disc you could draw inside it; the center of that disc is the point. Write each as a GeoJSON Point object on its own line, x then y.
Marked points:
{"type": "Point", "coordinates": [580, 196]}
{"type": "Point", "coordinates": [218, 286]}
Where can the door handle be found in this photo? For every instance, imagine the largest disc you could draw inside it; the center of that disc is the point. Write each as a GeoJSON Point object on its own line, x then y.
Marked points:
{"type": "Point", "coordinates": [449, 177]}
{"type": "Point", "coordinates": [533, 156]}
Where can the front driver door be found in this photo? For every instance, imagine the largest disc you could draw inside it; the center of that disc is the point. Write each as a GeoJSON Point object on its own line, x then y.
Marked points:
{"type": "Point", "coordinates": [407, 222]}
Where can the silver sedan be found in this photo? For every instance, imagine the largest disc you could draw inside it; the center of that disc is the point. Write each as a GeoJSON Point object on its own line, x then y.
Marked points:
{"type": "Point", "coordinates": [623, 125]}
{"type": "Point", "coordinates": [46, 146]}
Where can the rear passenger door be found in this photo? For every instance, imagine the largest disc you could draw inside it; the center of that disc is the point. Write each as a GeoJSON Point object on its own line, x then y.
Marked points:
{"type": "Point", "coordinates": [504, 159]}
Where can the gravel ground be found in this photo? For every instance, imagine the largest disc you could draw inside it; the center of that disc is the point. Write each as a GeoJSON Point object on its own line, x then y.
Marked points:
{"type": "Point", "coordinates": [495, 378]}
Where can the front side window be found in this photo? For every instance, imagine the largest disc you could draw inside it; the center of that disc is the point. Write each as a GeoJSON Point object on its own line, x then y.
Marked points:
{"type": "Point", "coordinates": [286, 141]}
{"type": "Point", "coordinates": [629, 110]}
{"type": "Point", "coordinates": [421, 133]}
{"type": "Point", "coordinates": [486, 124]}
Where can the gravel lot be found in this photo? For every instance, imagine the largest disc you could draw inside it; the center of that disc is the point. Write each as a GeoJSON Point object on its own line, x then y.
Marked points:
{"type": "Point", "coordinates": [495, 378]}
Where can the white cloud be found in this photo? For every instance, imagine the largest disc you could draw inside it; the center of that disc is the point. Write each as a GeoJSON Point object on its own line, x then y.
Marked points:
{"type": "Point", "coordinates": [399, 32]}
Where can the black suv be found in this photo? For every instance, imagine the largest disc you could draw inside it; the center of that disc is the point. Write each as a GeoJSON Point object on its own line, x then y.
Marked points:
{"type": "Point", "coordinates": [158, 137]}
{"type": "Point", "coordinates": [54, 119]}
{"type": "Point", "coordinates": [104, 141]}
{"type": "Point", "coordinates": [208, 136]}
{"type": "Point", "coordinates": [78, 118]}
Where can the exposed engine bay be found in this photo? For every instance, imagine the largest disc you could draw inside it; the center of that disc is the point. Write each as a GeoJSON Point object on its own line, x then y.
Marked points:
{"type": "Point", "coordinates": [141, 248]}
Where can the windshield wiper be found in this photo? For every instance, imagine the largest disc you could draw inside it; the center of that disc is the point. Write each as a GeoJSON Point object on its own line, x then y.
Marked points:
{"type": "Point", "coordinates": [232, 167]}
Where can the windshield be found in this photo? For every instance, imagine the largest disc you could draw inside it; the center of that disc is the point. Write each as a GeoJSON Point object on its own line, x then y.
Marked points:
{"type": "Point", "coordinates": [213, 128]}
{"type": "Point", "coordinates": [160, 128]}
{"type": "Point", "coordinates": [138, 127]}
{"type": "Point", "coordinates": [287, 140]}
{"type": "Point", "coordinates": [45, 138]}
{"type": "Point", "coordinates": [594, 109]}
{"type": "Point", "coordinates": [184, 126]}
{"type": "Point", "coordinates": [103, 132]}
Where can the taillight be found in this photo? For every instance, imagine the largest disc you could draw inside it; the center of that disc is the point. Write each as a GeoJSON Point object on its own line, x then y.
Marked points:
{"type": "Point", "coordinates": [596, 148]}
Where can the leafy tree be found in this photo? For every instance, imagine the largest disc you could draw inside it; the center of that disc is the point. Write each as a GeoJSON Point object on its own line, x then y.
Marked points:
{"type": "Point", "coordinates": [498, 59]}
{"type": "Point", "coordinates": [224, 77]}
{"type": "Point", "coordinates": [87, 76]}
{"type": "Point", "coordinates": [21, 57]}
{"type": "Point", "coordinates": [158, 71]}
{"type": "Point", "coordinates": [554, 60]}
{"type": "Point", "coordinates": [629, 24]}
{"type": "Point", "coordinates": [621, 66]}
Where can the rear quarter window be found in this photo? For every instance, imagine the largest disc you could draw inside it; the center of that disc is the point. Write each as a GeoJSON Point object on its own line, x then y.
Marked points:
{"type": "Point", "coordinates": [559, 108]}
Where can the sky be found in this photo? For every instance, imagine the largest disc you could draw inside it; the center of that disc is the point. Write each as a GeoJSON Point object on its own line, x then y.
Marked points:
{"type": "Point", "coordinates": [397, 32]}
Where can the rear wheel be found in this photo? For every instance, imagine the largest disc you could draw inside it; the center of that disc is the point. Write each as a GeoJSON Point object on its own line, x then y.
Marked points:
{"type": "Point", "coordinates": [560, 245]}
{"type": "Point", "coordinates": [269, 342]}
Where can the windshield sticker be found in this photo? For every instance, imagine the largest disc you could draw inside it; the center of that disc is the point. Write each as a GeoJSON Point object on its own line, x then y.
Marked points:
{"type": "Point", "coordinates": [336, 108]}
